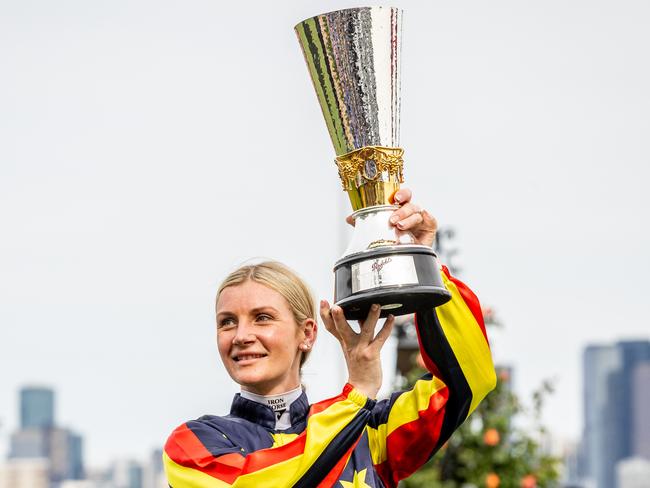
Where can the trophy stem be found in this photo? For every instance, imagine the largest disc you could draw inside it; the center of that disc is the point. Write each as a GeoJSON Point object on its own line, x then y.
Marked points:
{"type": "Point", "coordinates": [373, 229]}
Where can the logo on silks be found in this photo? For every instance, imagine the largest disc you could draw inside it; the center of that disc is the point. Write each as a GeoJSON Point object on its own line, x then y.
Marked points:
{"type": "Point", "coordinates": [278, 405]}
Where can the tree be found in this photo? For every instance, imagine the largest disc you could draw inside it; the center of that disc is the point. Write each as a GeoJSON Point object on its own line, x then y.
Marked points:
{"type": "Point", "coordinates": [491, 450]}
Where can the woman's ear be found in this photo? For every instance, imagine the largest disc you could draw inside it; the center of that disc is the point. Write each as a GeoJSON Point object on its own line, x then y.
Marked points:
{"type": "Point", "coordinates": [310, 331]}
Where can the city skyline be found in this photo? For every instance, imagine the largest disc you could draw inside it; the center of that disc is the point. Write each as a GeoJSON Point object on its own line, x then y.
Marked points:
{"type": "Point", "coordinates": [151, 147]}
{"type": "Point", "coordinates": [615, 409]}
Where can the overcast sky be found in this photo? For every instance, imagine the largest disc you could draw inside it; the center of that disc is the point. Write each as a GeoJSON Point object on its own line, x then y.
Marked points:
{"type": "Point", "coordinates": [148, 147]}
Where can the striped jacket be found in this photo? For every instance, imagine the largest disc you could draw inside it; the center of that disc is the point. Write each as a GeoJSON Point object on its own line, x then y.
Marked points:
{"type": "Point", "coordinates": [349, 440]}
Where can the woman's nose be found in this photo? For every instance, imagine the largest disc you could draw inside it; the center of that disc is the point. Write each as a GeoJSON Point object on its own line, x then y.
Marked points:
{"type": "Point", "coordinates": [244, 334]}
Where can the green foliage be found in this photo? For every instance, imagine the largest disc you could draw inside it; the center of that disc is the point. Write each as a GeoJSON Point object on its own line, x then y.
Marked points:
{"type": "Point", "coordinates": [489, 450]}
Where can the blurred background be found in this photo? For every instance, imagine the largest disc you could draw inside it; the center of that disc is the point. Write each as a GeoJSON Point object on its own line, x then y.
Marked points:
{"type": "Point", "coordinates": [149, 148]}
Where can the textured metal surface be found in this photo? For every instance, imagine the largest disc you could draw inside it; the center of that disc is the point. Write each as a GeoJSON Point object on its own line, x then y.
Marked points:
{"type": "Point", "coordinates": [353, 60]}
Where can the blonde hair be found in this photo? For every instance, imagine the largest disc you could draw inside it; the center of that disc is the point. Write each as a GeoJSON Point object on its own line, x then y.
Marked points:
{"type": "Point", "coordinates": [282, 279]}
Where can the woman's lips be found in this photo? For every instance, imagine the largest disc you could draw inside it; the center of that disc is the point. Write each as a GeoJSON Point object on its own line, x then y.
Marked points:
{"type": "Point", "coordinates": [246, 358]}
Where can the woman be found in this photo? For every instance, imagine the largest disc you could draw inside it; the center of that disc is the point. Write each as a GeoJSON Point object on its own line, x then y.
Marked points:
{"type": "Point", "coordinates": [266, 326]}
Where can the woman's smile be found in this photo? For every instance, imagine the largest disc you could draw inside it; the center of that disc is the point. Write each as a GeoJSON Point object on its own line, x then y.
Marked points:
{"type": "Point", "coordinates": [244, 358]}
{"type": "Point", "coordinates": [258, 338]}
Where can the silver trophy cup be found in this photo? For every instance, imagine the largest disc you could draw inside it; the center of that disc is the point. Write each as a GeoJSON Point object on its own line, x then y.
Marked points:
{"type": "Point", "coordinates": [353, 60]}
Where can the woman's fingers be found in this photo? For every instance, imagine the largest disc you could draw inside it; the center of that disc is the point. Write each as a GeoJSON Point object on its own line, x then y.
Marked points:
{"type": "Point", "coordinates": [404, 212]}
{"type": "Point", "coordinates": [410, 222]}
{"type": "Point", "coordinates": [344, 330]}
{"type": "Point", "coordinates": [328, 320]}
{"type": "Point", "coordinates": [402, 196]}
{"type": "Point", "coordinates": [384, 333]}
{"type": "Point", "coordinates": [368, 325]}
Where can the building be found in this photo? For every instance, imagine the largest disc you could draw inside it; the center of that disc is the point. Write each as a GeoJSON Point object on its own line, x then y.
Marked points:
{"type": "Point", "coordinates": [633, 473]}
{"type": "Point", "coordinates": [65, 454]}
{"type": "Point", "coordinates": [154, 474]}
{"type": "Point", "coordinates": [29, 443]}
{"type": "Point", "coordinates": [36, 408]}
{"type": "Point", "coordinates": [127, 473]}
{"type": "Point", "coordinates": [640, 411]}
{"type": "Point", "coordinates": [609, 396]}
{"type": "Point", "coordinates": [40, 438]}
{"type": "Point", "coordinates": [25, 473]}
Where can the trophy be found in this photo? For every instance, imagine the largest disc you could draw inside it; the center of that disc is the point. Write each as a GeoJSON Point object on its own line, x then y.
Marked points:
{"type": "Point", "coordinates": [353, 59]}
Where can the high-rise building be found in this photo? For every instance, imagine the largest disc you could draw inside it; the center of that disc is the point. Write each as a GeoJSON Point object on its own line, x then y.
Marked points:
{"type": "Point", "coordinates": [29, 443]}
{"type": "Point", "coordinates": [127, 473]}
{"type": "Point", "coordinates": [598, 363]}
{"type": "Point", "coordinates": [40, 438]}
{"type": "Point", "coordinates": [65, 455]}
{"type": "Point", "coordinates": [154, 474]}
{"type": "Point", "coordinates": [609, 395]}
{"type": "Point", "coordinates": [36, 408]}
{"type": "Point", "coordinates": [641, 410]}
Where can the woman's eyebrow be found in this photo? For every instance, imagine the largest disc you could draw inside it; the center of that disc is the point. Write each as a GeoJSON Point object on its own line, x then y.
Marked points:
{"type": "Point", "coordinates": [265, 308]}
{"type": "Point", "coordinates": [225, 312]}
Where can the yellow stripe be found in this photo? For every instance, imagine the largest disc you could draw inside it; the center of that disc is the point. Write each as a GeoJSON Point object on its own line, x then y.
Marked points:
{"type": "Point", "coordinates": [280, 439]}
{"type": "Point", "coordinates": [322, 428]}
{"type": "Point", "coordinates": [468, 343]}
{"type": "Point", "coordinates": [377, 443]}
{"type": "Point", "coordinates": [181, 477]}
{"type": "Point", "coordinates": [405, 409]}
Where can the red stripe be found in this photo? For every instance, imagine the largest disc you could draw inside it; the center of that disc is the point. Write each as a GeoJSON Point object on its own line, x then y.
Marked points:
{"type": "Point", "coordinates": [470, 299]}
{"type": "Point", "coordinates": [323, 405]}
{"type": "Point", "coordinates": [334, 475]}
{"type": "Point", "coordinates": [267, 457]}
{"type": "Point", "coordinates": [409, 446]}
{"type": "Point", "coordinates": [184, 448]}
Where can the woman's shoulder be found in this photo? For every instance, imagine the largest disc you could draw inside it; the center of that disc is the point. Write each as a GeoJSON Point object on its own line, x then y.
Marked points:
{"type": "Point", "coordinates": [213, 430]}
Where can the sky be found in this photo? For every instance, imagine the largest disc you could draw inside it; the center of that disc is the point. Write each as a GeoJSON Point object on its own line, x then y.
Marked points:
{"type": "Point", "coordinates": [147, 148]}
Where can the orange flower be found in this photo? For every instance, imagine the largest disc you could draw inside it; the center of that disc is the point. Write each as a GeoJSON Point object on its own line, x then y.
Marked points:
{"type": "Point", "coordinates": [492, 480]}
{"type": "Point", "coordinates": [528, 481]}
{"type": "Point", "coordinates": [491, 437]}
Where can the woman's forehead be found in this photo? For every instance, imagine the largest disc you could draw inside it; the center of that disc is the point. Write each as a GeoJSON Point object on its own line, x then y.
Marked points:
{"type": "Point", "coordinates": [250, 295]}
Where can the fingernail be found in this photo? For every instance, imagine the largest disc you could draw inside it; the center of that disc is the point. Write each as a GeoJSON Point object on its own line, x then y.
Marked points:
{"type": "Point", "coordinates": [398, 197]}
{"type": "Point", "coordinates": [375, 307]}
{"type": "Point", "coordinates": [394, 219]}
{"type": "Point", "coordinates": [400, 225]}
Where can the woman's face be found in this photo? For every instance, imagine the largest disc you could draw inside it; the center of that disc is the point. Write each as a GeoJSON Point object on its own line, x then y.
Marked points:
{"type": "Point", "coordinates": [258, 338]}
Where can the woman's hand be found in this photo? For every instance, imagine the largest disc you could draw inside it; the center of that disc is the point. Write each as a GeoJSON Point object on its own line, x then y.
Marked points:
{"type": "Point", "coordinates": [361, 350]}
{"type": "Point", "coordinates": [411, 218]}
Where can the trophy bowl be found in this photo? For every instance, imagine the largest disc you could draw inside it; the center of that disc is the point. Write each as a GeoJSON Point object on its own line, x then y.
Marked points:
{"type": "Point", "coordinates": [353, 60]}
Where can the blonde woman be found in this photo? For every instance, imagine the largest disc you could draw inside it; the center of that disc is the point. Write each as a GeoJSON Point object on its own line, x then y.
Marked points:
{"type": "Point", "coordinates": [273, 437]}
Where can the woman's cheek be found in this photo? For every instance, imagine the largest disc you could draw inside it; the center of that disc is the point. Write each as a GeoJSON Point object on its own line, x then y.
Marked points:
{"type": "Point", "coordinates": [223, 344]}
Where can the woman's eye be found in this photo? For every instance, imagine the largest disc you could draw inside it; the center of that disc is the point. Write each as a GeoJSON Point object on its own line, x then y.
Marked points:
{"type": "Point", "coordinates": [263, 318]}
{"type": "Point", "coordinates": [225, 323]}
